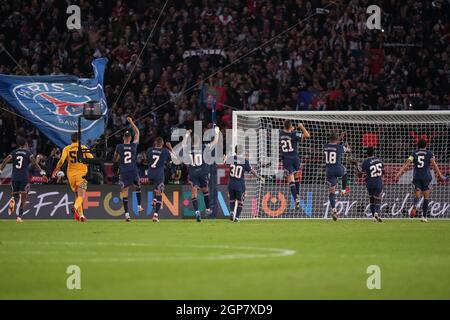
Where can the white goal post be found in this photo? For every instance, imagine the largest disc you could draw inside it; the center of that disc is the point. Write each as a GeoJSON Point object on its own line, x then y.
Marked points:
{"type": "Point", "coordinates": [393, 134]}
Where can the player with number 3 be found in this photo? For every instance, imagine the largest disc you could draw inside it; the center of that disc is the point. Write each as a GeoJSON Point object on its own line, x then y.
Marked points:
{"type": "Point", "coordinates": [21, 159]}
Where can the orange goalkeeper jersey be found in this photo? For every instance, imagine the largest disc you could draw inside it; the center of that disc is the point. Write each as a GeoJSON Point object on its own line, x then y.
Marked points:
{"type": "Point", "coordinates": [73, 166]}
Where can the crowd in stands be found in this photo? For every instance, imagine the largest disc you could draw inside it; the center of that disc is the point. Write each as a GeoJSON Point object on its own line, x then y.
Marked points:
{"type": "Point", "coordinates": [329, 60]}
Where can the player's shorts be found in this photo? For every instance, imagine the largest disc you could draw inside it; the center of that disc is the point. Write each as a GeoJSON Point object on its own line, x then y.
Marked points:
{"type": "Point", "coordinates": [199, 180]}
{"type": "Point", "coordinates": [235, 194]}
{"type": "Point", "coordinates": [291, 165]}
{"type": "Point", "coordinates": [130, 178]}
{"type": "Point", "coordinates": [422, 184]}
{"type": "Point", "coordinates": [375, 191]}
{"type": "Point", "coordinates": [20, 186]}
{"type": "Point", "coordinates": [77, 181]}
{"type": "Point", "coordinates": [333, 173]}
{"type": "Point", "coordinates": [158, 183]}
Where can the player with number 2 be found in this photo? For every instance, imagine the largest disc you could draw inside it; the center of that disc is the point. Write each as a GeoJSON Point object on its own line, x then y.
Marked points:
{"type": "Point", "coordinates": [126, 155]}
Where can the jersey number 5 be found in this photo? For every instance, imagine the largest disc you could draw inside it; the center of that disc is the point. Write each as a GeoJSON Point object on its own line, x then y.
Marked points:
{"type": "Point", "coordinates": [421, 161]}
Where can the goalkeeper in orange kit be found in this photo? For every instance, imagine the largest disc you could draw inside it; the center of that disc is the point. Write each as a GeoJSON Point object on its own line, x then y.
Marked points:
{"type": "Point", "coordinates": [76, 173]}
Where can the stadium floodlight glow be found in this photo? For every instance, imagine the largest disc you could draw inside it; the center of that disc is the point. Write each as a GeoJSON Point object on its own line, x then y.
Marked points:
{"type": "Point", "coordinates": [393, 134]}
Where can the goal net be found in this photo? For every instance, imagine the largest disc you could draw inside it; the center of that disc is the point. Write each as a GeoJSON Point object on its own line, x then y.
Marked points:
{"type": "Point", "coordinates": [393, 135]}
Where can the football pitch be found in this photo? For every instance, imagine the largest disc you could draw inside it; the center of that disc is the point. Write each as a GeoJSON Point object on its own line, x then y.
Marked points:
{"type": "Point", "coordinates": [218, 259]}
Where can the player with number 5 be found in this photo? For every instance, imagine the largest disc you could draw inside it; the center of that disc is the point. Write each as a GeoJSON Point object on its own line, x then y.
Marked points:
{"type": "Point", "coordinates": [126, 155]}
{"type": "Point", "coordinates": [423, 160]}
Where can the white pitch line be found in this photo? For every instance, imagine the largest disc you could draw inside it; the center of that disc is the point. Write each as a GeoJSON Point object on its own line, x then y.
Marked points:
{"type": "Point", "coordinates": [266, 252]}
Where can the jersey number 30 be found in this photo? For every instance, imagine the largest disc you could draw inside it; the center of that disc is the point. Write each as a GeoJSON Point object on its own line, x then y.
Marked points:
{"type": "Point", "coordinates": [235, 171]}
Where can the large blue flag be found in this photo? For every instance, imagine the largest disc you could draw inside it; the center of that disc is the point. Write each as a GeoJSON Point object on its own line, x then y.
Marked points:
{"type": "Point", "coordinates": [54, 103]}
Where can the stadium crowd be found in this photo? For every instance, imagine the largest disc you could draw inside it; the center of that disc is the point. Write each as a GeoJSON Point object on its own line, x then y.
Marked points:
{"type": "Point", "coordinates": [330, 61]}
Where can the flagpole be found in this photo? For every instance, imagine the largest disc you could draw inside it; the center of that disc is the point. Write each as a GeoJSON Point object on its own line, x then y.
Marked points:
{"type": "Point", "coordinates": [213, 167]}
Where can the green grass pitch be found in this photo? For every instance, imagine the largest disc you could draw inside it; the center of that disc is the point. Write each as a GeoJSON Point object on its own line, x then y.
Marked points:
{"type": "Point", "coordinates": [298, 259]}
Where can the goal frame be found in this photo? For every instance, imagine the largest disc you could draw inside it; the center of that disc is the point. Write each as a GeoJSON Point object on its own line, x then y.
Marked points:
{"type": "Point", "coordinates": [299, 114]}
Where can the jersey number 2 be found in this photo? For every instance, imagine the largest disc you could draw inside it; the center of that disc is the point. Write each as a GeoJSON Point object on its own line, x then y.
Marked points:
{"type": "Point", "coordinates": [127, 157]}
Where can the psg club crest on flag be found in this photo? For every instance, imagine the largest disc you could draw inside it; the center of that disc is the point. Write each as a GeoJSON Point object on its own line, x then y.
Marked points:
{"type": "Point", "coordinates": [54, 103]}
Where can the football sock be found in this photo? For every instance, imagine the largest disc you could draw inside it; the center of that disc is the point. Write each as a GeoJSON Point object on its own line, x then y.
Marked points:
{"type": "Point", "coordinates": [344, 182]}
{"type": "Point", "coordinates": [158, 203]}
{"type": "Point", "coordinates": [372, 205]}
{"type": "Point", "coordinates": [79, 205]}
{"type": "Point", "coordinates": [138, 196]}
{"type": "Point", "coordinates": [425, 207]}
{"type": "Point", "coordinates": [416, 201]}
{"type": "Point", "coordinates": [20, 211]}
{"type": "Point", "coordinates": [195, 204]}
{"type": "Point", "coordinates": [232, 206]}
{"type": "Point", "coordinates": [125, 204]}
{"type": "Point", "coordinates": [239, 209]}
{"type": "Point", "coordinates": [377, 204]}
{"type": "Point", "coordinates": [297, 186]}
{"type": "Point", "coordinates": [293, 190]}
{"type": "Point", "coordinates": [332, 197]}
{"type": "Point", "coordinates": [206, 197]}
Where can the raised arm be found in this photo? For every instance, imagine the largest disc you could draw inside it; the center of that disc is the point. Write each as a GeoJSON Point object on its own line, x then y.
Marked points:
{"type": "Point", "coordinates": [216, 136]}
{"type": "Point", "coordinates": [5, 161]}
{"type": "Point", "coordinates": [173, 156]}
{"type": "Point", "coordinates": [305, 132]}
{"type": "Point", "coordinates": [135, 130]}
